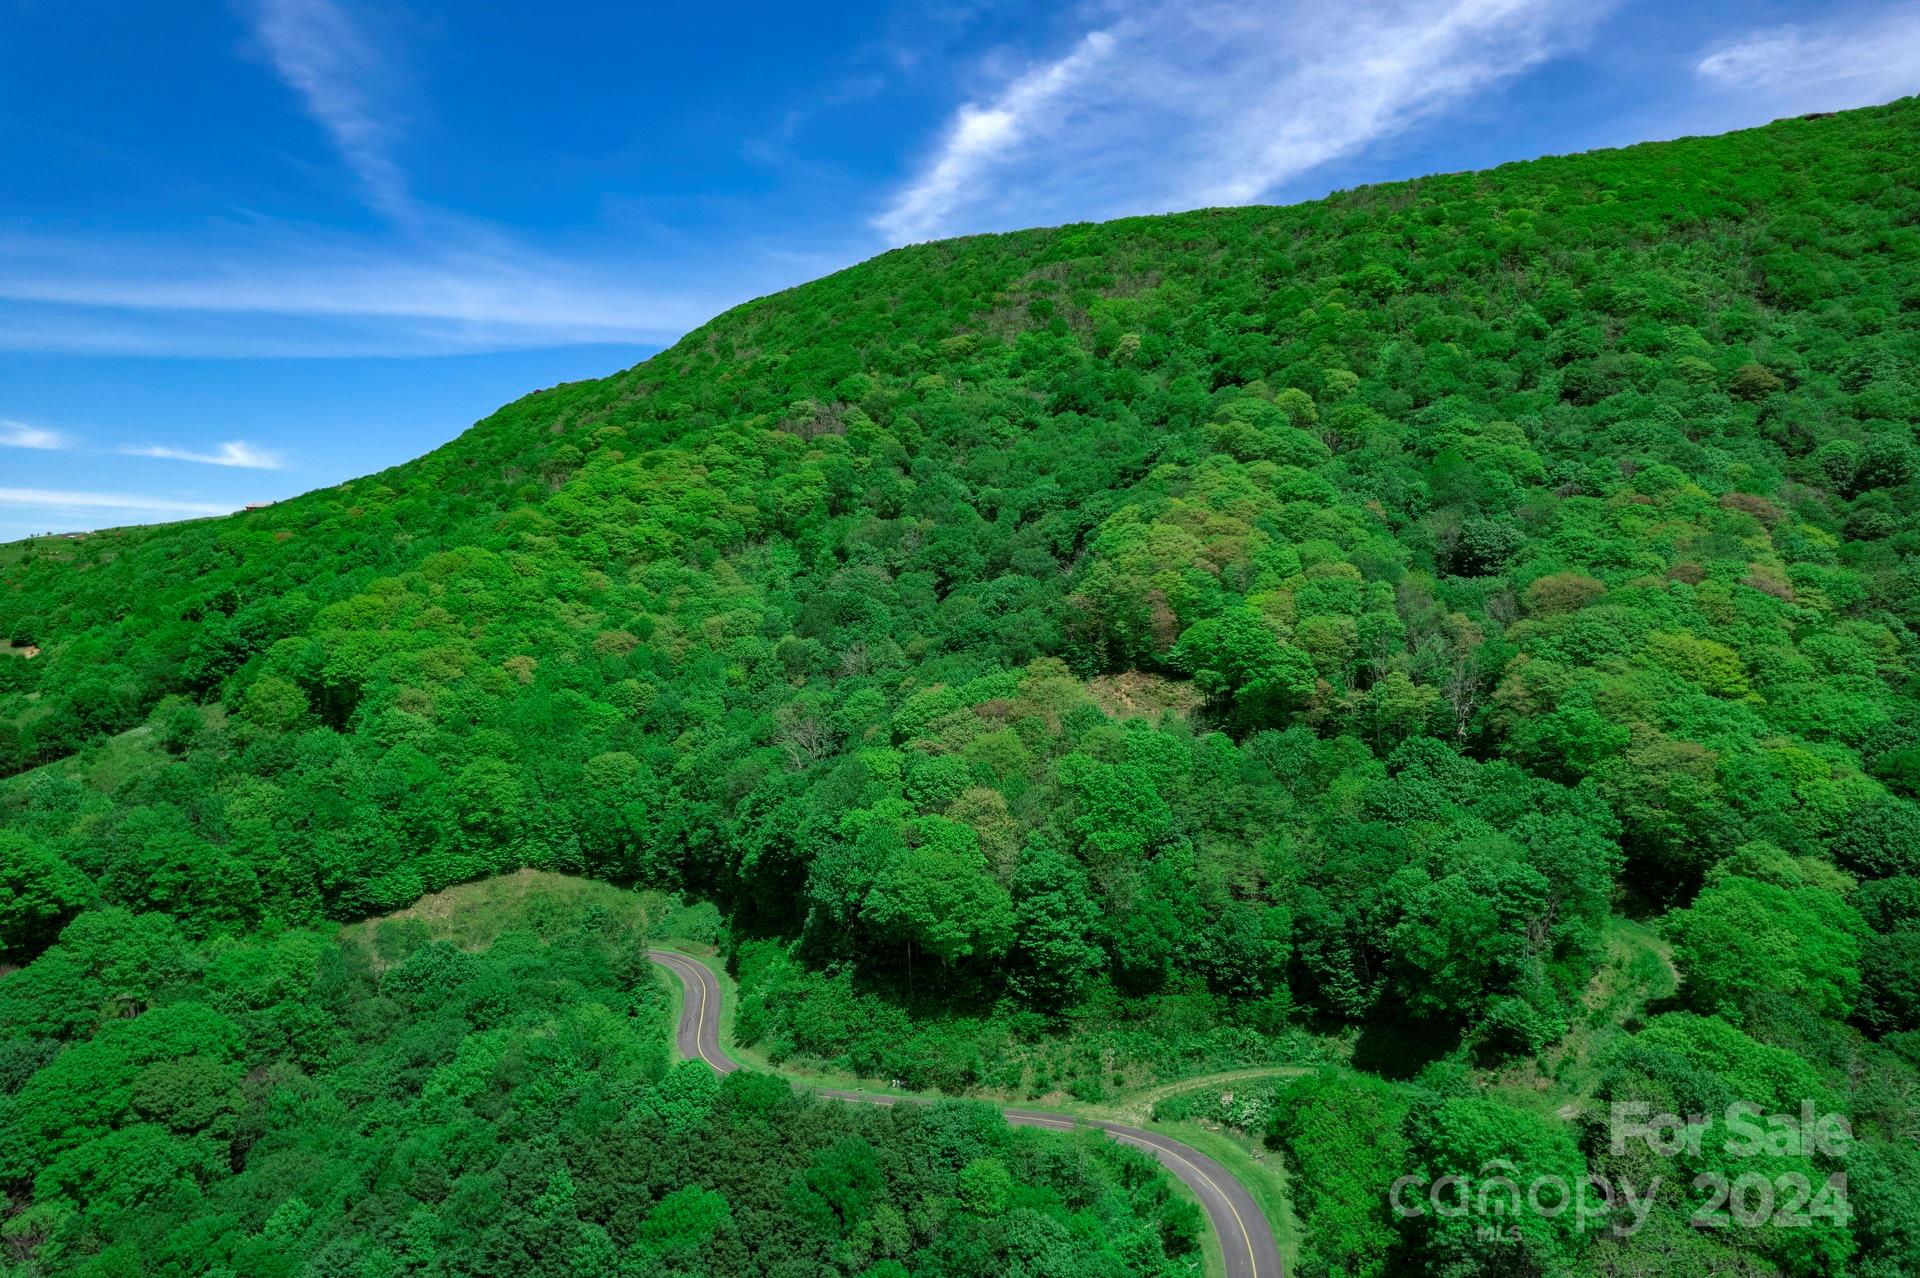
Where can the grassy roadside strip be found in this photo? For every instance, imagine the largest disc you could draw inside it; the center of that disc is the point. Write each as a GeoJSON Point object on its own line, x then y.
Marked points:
{"type": "Point", "coordinates": [1260, 1172]}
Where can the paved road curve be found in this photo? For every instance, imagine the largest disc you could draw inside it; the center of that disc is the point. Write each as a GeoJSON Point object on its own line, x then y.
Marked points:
{"type": "Point", "coordinates": [1246, 1239]}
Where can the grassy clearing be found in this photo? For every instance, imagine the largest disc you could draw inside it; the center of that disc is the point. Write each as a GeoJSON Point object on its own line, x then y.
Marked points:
{"type": "Point", "coordinates": [474, 915]}
{"type": "Point", "coordinates": [111, 762]}
{"type": "Point", "coordinates": [118, 759]}
{"type": "Point", "coordinates": [1138, 1105]}
{"type": "Point", "coordinates": [1635, 972]}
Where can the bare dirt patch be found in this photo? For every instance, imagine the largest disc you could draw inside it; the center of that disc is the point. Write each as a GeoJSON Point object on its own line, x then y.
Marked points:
{"type": "Point", "coordinates": [1135, 694]}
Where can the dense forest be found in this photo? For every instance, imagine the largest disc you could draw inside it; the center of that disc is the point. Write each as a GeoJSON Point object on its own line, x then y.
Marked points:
{"type": "Point", "coordinates": [1359, 635]}
{"type": "Point", "coordinates": [392, 1103]}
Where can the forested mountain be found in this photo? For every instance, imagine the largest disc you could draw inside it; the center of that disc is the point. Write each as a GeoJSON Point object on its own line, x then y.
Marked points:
{"type": "Point", "coordinates": [1085, 654]}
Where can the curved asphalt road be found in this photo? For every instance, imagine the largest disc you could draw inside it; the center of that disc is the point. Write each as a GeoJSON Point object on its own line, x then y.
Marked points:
{"type": "Point", "coordinates": [1246, 1239]}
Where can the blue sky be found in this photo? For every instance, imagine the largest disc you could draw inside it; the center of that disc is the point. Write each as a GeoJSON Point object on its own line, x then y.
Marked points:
{"type": "Point", "coordinates": [255, 248]}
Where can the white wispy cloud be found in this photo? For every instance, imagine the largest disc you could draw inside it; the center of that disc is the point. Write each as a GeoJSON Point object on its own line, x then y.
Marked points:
{"type": "Point", "coordinates": [432, 282]}
{"type": "Point", "coordinates": [1171, 104]}
{"type": "Point", "coordinates": [275, 290]}
{"type": "Point", "coordinates": [981, 135]}
{"type": "Point", "coordinates": [1831, 67]}
{"type": "Point", "coordinates": [20, 435]}
{"type": "Point", "coordinates": [56, 499]}
{"type": "Point", "coordinates": [324, 56]}
{"type": "Point", "coordinates": [280, 270]}
{"type": "Point", "coordinates": [232, 453]}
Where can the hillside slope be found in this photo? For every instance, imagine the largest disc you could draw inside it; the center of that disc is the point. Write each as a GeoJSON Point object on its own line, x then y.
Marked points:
{"type": "Point", "coordinates": [1524, 543]}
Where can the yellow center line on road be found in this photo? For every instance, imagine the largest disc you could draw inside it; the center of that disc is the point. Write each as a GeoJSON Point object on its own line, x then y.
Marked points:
{"type": "Point", "coordinates": [1253, 1261]}
{"type": "Point", "coordinates": [690, 978]}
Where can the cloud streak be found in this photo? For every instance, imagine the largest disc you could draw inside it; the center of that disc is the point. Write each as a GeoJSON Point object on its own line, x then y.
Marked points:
{"type": "Point", "coordinates": [287, 271]}
{"type": "Point", "coordinates": [277, 289]}
{"type": "Point", "coordinates": [982, 135]}
{"type": "Point", "coordinates": [331, 64]}
{"type": "Point", "coordinates": [156, 307]}
{"type": "Point", "coordinates": [232, 453]}
{"type": "Point", "coordinates": [1821, 68]}
{"type": "Point", "coordinates": [66, 500]}
{"type": "Point", "coordinates": [20, 435]}
{"type": "Point", "coordinates": [1177, 105]}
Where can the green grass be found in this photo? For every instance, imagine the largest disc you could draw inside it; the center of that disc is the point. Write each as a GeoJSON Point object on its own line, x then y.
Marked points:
{"type": "Point", "coordinates": [110, 763]}
{"type": "Point", "coordinates": [1139, 1103]}
{"type": "Point", "coordinates": [1636, 970]}
{"type": "Point", "coordinates": [474, 915]}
